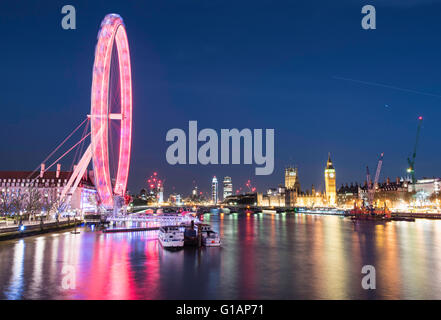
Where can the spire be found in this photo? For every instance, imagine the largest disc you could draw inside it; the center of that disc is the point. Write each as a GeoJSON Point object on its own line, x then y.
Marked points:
{"type": "Point", "coordinates": [329, 163]}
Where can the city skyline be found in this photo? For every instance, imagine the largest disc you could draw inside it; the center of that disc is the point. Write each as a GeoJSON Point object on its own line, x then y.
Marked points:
{"type": "Point", "coordinates": [206, 187]}
{"type": "Point", "coordinates": [315, 109]}
{"type": "Point", "coordinates": [241, 152]}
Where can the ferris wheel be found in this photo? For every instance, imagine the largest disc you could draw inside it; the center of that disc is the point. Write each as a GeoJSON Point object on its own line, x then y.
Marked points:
{"type": "Point", "coordinates": [110, 118]}
{"type": "Point", "coordinates": [112, 32]}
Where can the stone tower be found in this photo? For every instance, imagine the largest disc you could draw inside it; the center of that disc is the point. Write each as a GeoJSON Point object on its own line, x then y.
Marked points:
{"type": "Point", "coordinates": [291, 180]}
{"type": "Point", "coordinates": [331, 190]}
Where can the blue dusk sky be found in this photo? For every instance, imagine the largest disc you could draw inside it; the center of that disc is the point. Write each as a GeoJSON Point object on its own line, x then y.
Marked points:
{"type": "Point", "coordinates": [304, 68]}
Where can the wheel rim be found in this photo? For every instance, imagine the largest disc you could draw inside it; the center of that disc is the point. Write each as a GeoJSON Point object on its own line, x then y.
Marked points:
{"type": "Point", "coordinates": [112, 32]}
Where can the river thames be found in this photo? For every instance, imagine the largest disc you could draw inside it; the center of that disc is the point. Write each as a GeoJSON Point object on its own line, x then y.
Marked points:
{"type": "Point", "coordinates": [262, 257]}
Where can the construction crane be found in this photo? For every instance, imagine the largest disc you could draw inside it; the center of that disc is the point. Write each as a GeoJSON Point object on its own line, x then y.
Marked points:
{"type": "Point", "coordinates": [369, 211]}
{"type": "Point", "coordinates": [411, 161]}
{"type": "Point", "coordinates": [368, 183]}
{"type": "Point", "coordinates": [368, 177]}
{"type": "Point", "coordinates": [371, 189]}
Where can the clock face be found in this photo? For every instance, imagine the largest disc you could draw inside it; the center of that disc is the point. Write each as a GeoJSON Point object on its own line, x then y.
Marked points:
{"type": "Point", "coordinates": [331, 175]}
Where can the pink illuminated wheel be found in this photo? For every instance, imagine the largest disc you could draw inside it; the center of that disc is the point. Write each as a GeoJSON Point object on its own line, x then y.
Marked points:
{"type": "Point", "coordinates": [112, 32]}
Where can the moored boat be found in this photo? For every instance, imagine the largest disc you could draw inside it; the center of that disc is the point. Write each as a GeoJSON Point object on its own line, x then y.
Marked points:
{"type": "Point", "coordinates": [408, 219]}
{"type": "Point", "coordinates": [209, 237]}
{"type": "Point", "coordinates": [171, 237]}
{"type": "Point", "coordinates": [190, 236]}
{"type": "Point", "coordinates": [370, 214]}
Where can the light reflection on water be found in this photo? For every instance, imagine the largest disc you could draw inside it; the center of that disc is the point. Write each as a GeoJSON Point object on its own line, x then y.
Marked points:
{"type": "Point", "coordinates": [262, 257]}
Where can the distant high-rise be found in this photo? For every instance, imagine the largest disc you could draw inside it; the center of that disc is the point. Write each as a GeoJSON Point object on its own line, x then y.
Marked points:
{"type": "Point", "coordinates": [214, 192]}
{"type": "Point", "coordinates": [228, 187]}
{"type": "Point", "coordinates": [161, 194]}
{"type": "Point", "coordinates": [331, 190]}
{"type": "Point", "coordinates": [194, 192]}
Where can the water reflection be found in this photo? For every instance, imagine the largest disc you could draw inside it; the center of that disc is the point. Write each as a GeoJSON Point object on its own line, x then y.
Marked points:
{"type": "Point", "coordinates": [262, 257]}
{"type": "Point", "coordinates": [36, 283]}
{"type": "Point", "coordinates": [16, 284]}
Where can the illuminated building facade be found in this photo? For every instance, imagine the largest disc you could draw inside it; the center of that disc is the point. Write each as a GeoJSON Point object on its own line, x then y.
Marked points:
{"type": "Point", "coordinates": [161, 195]}
{"type": "Point", "coordinates": [295, 197]}
{"type": "Point", "coordinates": [330, 185]}
{"type": "Point", "coordinates": [292, 196]}
{"type": "Point", "coordinates": [291, 181]}
{"type": "Point", "coordinates": [311, 198]}
{"type": "Point", "coordinates": [214, 191]}
{"type": "Point", "coordinates": [228, 187]}
{"type": "Point", "coordinates": [392, 194]}
{"type": "Point", "coordinates": [50, 184]}
{"type": "Point", "coordinates": [398, 194]}
{"type": "Point", "coordinates": [427, 186]}
{"type": "Point", "coordinates": [272, 198]}
{"type": "Point", "coordinates": [348, 195]}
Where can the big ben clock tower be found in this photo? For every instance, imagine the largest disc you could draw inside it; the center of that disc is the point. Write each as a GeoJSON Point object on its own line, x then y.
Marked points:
{"type": "Point", "coordinates": [331, 192]}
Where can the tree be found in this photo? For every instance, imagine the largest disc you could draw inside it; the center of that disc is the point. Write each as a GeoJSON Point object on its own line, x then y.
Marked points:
{"type": "Point", "coordinates": [33, 202]}
{"type": "Point", "coordinates": [18, 202]}
{"type": "Point", "coordinates": [51, 202]}
{"type": "Point", "coordinates": [6, 202]}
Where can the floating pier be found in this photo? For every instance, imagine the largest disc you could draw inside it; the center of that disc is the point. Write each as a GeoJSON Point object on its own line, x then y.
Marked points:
{"type": "Point", "coordinates": [135, 229]}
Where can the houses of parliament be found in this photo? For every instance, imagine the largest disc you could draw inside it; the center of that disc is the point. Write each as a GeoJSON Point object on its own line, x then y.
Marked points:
{"type": "Point", "coordinates": [290, 194]}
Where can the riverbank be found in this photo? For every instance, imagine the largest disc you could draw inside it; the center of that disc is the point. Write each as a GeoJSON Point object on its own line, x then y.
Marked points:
{"type": "Point", "coordinates": [14, 232]}
{"type": "Point", "coordinates": [419, 215]}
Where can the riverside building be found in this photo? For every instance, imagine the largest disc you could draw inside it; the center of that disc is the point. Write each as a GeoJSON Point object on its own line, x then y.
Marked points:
{"type": "Point", "coordinates": [50, 184]}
